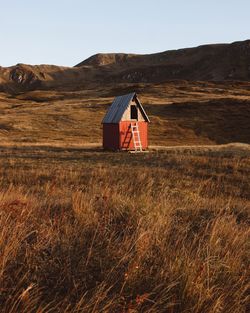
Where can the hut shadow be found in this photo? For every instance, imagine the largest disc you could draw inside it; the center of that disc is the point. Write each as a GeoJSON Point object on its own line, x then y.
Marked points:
{"type": "Point", "coordinates": [127, 139]}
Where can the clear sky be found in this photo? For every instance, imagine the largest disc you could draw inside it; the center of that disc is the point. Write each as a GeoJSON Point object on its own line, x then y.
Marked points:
{"type": "Point", "coordinates": [65, 32]}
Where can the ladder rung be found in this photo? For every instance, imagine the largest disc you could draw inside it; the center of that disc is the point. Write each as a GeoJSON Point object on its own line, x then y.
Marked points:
{"type": "Point", "coordinates": [136, 137]}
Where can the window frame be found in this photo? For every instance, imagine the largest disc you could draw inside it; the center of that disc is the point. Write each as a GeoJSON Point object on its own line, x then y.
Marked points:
{"type": "Point", "coordinates": [133, 112]}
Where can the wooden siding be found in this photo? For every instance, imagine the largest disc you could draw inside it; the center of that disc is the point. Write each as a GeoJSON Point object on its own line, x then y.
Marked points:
{"type": "Point", "coordinates": [126, 140]}
{"type": "Point", "coordinates": [126, 114]}
{"type": "Point", "coordinates": [111, 137]}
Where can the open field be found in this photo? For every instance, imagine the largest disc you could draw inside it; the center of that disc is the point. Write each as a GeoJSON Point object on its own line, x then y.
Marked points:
{"type": "Point", "coordinates": [83, 230]}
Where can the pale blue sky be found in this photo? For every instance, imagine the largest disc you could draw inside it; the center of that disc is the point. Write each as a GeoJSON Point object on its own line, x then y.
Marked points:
{"type": "Point", "coordinates": [65, 32]}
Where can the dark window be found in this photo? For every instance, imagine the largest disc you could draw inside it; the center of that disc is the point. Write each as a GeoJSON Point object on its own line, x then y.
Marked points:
{"type": "Point", "coordinates": [133, 112]}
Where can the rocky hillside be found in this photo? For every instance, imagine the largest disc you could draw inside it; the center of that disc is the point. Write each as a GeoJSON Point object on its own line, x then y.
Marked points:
{"type": "Point", "coordinates": [218, 62]}
{"type": "Point", "coordinates": [208, 62]}
{"type": "Point", "coordinates": [23, 77]}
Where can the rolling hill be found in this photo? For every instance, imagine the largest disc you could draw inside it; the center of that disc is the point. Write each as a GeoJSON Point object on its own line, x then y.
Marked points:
{"type": "Point", "coordinates": [208, 62]}
{"type": "Point", "coordinates": [217, 62]}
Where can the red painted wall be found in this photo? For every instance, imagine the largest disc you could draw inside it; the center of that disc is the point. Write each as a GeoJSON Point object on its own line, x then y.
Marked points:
{"type": "Point", "coordinates": [126, 140]}
{"type": "Point", "coordinates": [111, 136]}
{"type": "Point", "coordinates": [119, 136]}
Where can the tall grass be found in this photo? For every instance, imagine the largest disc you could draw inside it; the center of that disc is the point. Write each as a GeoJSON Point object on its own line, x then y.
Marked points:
{"type": "Point", "coordinates": [122, 233]}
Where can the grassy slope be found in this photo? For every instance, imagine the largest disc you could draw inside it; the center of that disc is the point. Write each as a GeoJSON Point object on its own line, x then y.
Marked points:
{"type": "Point", "coordinates": [113, 232]}
{"type": "Point", "coordinates": [181, 113]}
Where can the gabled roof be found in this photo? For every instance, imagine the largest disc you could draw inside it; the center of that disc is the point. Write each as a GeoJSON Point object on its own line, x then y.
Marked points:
{"type": "Point", "coordinates": [119, 106]}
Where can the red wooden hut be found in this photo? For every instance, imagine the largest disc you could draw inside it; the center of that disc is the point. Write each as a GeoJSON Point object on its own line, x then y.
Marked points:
{"type": "Point", "coordinates": [125, 125]}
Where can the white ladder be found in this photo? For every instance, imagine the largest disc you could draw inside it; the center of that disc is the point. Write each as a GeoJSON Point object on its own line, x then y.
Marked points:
{"type": "Point", "coordinates": [136, 137]}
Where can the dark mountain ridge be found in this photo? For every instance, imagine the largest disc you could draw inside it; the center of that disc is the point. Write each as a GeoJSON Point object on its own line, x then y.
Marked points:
{"type": "Point", "coordinates": [216, 62]}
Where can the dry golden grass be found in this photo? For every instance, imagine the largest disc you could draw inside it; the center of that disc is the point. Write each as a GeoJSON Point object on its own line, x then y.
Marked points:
{"type": "Point", "coordinates": [89, 231]}
{"type": "Point", "coordinates": [182, 113]}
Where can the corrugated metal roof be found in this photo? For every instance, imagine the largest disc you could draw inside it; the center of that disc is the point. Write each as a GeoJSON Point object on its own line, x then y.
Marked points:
{"type": "Point", "coordinates": [119, 106]}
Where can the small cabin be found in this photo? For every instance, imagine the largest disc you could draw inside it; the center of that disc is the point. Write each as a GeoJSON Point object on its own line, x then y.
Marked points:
{"type": "Point", "coordinates": [125, 125]}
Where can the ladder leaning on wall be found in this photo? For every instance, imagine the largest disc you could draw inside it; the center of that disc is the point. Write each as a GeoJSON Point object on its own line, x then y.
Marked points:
{"type": "Point", "coordinates": [136, 137]}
